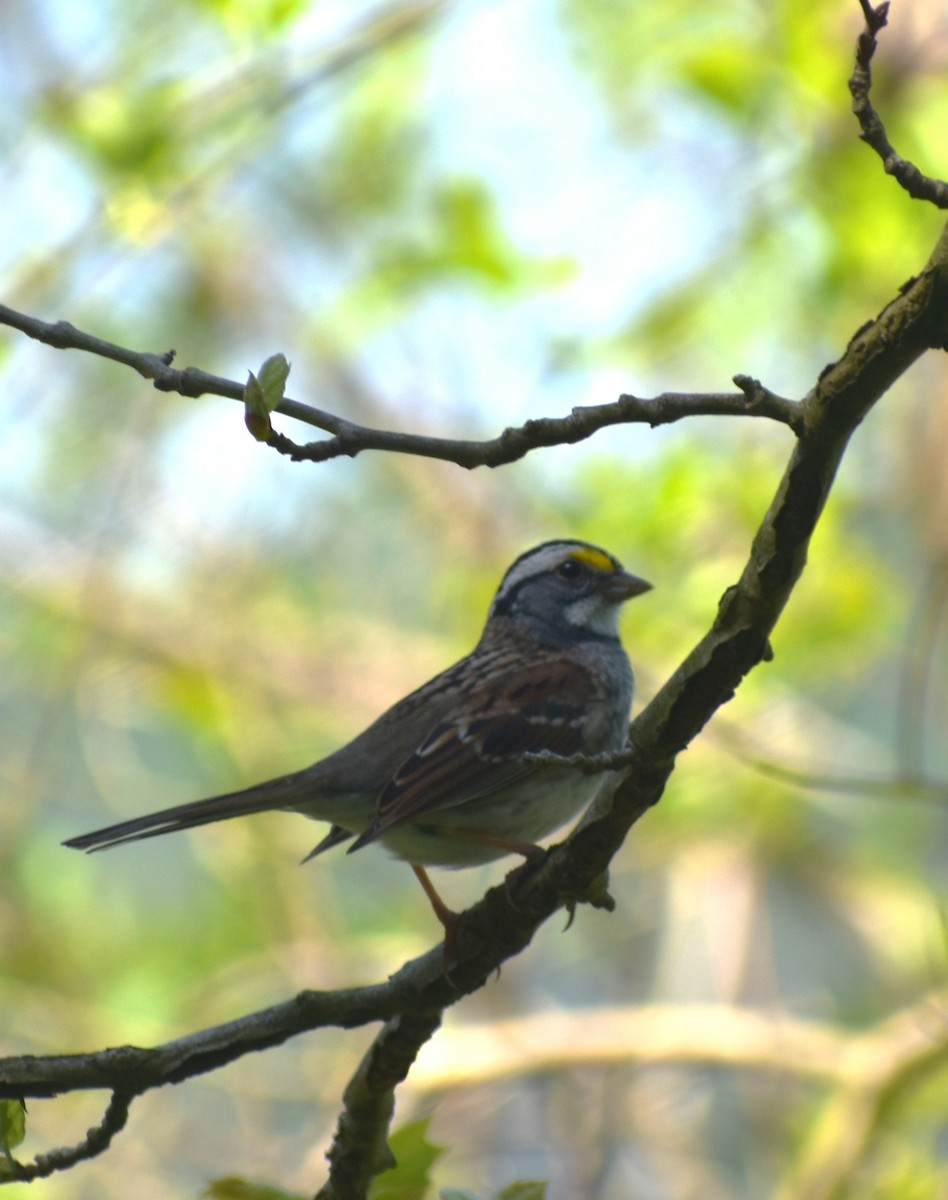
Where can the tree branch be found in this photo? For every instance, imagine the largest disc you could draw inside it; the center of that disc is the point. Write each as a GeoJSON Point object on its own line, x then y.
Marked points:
{"type": "Point", "coordinates": [97, 1139]}
{"type": "Point", "coordinates": [350, 438]}
{"type": "Point", "coordinates": [873, 133]}
{"type": "Point", "coordinates": [134, 1070]}
{"type": "Point", "coordinates": [738, 640]}
{"type": "Point", "coordinates": [753, 400]}
{"type": "Point", "coordinates": [360, 1149]}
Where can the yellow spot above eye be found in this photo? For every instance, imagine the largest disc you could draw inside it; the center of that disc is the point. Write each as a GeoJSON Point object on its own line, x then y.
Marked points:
{"type": "Point", "coordinates": [597, 559]}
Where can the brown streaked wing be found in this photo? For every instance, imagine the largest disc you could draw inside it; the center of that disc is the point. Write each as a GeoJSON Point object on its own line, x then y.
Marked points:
{"type": "Point", "coordinates": [528, 711]}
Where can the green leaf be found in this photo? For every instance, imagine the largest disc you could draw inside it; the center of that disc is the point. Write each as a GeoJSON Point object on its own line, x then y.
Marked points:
{"type": "Point", "coordinates": [415, 1156]}
{"type": "Point", "coordinates": [232, 1187]}
{"type": "Point", "coordinates": [457, 1194]}
{"type": "Point", "coordinates": [12, 1124]}
{"type": "Point", "coordinates": [263, 393]}
{"type": "Point", "coordinates": [272, 380]}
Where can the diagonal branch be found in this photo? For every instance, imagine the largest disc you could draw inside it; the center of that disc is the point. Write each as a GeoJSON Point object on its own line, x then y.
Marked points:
{"type": "Point", "coordinates": [918, 186]}
{"type": "Point", "coordinates": [738, 640]}
{"type": "Point", "coordinates": [504, 921]}
{"type": "Point", "coordinates": [135, 1070]}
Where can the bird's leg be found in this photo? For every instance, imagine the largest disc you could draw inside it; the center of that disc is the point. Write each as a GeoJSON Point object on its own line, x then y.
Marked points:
{"type": "Point", "coordinates": [528, 850]}
{"type": "Point", "coordinates": [597, 894]}
{"type": "Point", "coordinates": [447, 916]}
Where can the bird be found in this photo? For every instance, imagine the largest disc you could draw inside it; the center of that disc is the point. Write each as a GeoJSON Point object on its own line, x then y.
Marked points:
{"type": "Point", "coordinates": [464, 769]}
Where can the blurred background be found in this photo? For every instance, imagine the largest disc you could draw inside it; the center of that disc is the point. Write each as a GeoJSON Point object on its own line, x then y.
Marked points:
{"type": "Point", "coordinates": [454, 215]}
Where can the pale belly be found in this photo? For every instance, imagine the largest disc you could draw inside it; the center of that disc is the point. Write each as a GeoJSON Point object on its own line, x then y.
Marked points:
{"type": "Point", "coordinates": [528, 814]}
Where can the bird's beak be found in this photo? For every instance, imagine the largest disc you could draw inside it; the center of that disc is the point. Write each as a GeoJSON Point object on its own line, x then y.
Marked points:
{"type": "Point", "coordinates": [623, 586]}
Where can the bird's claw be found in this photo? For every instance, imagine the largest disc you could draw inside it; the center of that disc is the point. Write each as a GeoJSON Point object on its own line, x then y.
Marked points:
{"type": "Point", "coordinates": [597, 895]}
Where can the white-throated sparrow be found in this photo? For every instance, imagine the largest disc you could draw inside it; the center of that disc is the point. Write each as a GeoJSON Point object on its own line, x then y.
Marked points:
{"type": "Point", "coordinates": [444, 778]}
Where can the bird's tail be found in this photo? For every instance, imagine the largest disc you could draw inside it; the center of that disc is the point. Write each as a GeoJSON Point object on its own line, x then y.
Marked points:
{"type": "Point", "coordinates": [287, 791]}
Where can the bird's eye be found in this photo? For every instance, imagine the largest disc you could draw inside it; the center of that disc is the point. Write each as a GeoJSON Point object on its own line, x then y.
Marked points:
{"type": "Point", "coordinates": [570, 570]}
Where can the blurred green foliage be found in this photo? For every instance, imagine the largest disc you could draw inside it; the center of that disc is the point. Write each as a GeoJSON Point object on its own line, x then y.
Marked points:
{"type": "Point", "coordinates": [414, 1155]}
{"type": "Point", "coordinates": [452, 217]}
{"type": "Point", "coordinates": [232, 1188]}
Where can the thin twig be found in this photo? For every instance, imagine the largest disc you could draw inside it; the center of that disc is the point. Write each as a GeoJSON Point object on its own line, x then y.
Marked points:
{"type": "Point", "coordinates": [191, 381]}
{"type": "Point", "coordinates": [97, 1139]}
{"type": "Point", "coordinates": [582, 422]}
{"type": "Point", "coordinates": [349, 438]}
{"type": "Point", "coordinates": [872, 130]}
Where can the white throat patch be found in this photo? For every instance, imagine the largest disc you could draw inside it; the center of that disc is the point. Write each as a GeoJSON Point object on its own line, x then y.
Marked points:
{"type": "Point", "coordinates": [595, 614]}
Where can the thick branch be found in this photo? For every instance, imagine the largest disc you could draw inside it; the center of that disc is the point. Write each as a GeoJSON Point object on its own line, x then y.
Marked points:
{"type": "Point", "coordinates": [739, 638]}
{"type": "Point", "coordinates": [359, 1149]}
{"type": "Point", "coordinates": [133, 1069]}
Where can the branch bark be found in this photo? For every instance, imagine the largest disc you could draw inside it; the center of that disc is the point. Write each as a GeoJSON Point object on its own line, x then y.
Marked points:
{"type": "Point", "coordinates": [359, 1150]}
{"type": "Point", "coordinates": [872, 129]}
